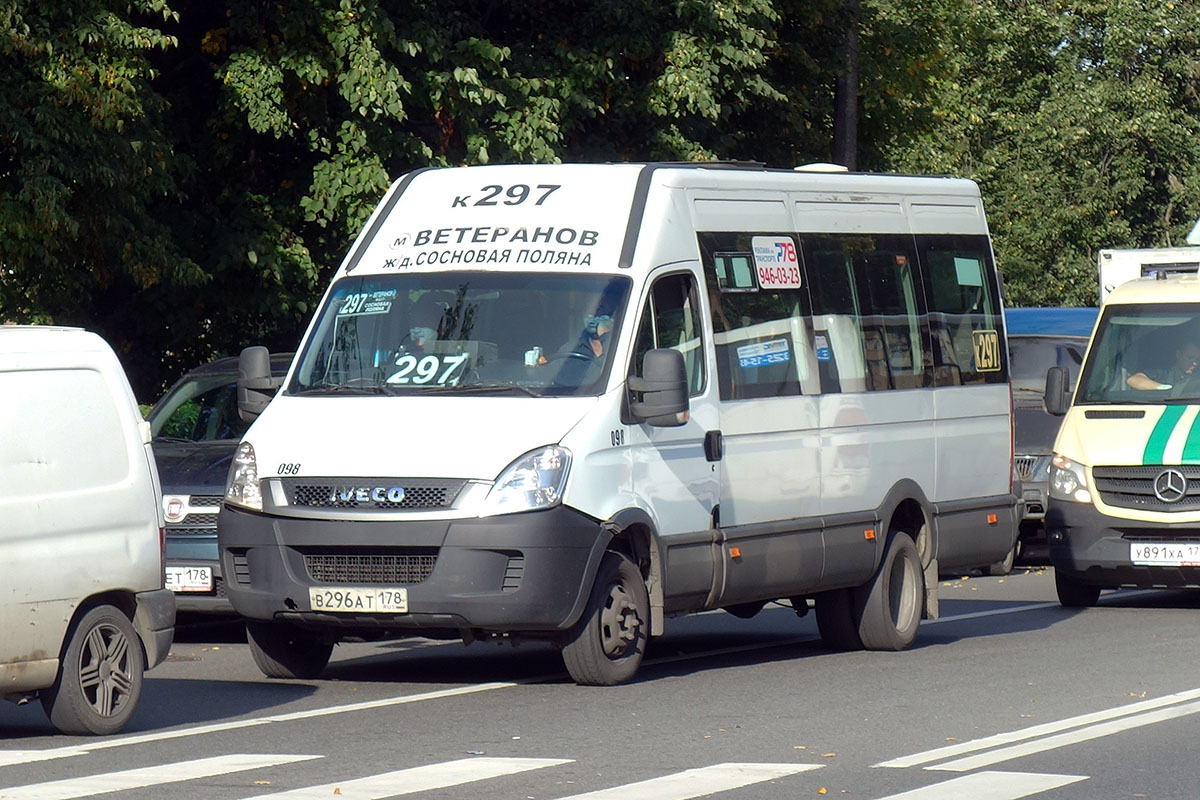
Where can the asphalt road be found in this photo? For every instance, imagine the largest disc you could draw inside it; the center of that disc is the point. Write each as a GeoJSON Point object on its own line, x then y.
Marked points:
{"type": "Point", "coordinates": [1007, 695]}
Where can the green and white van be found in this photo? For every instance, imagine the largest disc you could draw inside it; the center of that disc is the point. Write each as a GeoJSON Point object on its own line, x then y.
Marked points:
{"type": "Point", "coordinates": [1124, 507]}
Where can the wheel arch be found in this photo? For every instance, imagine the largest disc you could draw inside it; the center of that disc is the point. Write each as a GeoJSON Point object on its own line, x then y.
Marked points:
{"type": "Point", "coordinates": [120, 600]}
{"type": "Point", "coordinates": [906, 508]}
{"type": "Point", "coordinates": [634, 534]}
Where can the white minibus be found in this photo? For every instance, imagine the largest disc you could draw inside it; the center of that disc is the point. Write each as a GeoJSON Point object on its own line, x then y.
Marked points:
{"type": "Point", "coordinates": [566, 402]}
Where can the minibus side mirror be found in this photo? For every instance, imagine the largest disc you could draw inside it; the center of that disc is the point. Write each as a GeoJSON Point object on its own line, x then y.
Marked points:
{"type": "Point", "coordinates": [255, 386]}
{"type": "Point", "coordinates": [1058, 396]}
{"type": "Point", "coordinates": [663, 387]}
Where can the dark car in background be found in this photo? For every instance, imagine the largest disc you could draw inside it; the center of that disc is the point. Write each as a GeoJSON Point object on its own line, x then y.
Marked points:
{"type": "Point", "coordinates": [1039, 338]}
{"type": "Point", "coordinates": [196, 428]}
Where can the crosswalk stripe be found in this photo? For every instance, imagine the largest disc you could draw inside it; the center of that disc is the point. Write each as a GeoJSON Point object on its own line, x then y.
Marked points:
{"type": "Point", "coordinates": [416, 779]}
{"type": "Point", "coordinates": [989, 786]}
{"type": "Point", "coordinates": [220, 727]}
{"type": "Point", "coordinates": [146, 776]}
{"type": "Point", "coordinates": [697, 782]}
{"type": "Point", "coordinates": [1044, 729]}
{"type": "Point", "coordinates": [1070, 737]}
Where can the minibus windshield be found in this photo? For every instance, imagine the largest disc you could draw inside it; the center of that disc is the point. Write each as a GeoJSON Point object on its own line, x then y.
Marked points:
{"type": "Point", "coordinates": [524, 334]}
{"type": "Point", "coordinates": [1144, 354]}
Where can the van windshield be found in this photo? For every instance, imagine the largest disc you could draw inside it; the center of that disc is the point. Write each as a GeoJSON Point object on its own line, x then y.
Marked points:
{"type": "Point", "coordinates": [528, 334]}
{"type": "Point", "coordinates": [1144, 354]}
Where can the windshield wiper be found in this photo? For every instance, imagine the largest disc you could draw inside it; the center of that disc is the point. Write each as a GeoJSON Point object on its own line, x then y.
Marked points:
{"type": "Point", "coordinates": [482, 388]}
{"type": "Point", "coordinates": [373, 389]}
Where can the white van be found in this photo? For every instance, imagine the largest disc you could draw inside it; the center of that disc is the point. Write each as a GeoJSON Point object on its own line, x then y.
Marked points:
{"type": "Point", "coordinates": [565, 402]}
{"type": "Point", "coordinates": [83, 610]}
{"type": "Point", "coordinates": [1124, 506]}
{"type": "Point", "coordinates": [1116, 266]}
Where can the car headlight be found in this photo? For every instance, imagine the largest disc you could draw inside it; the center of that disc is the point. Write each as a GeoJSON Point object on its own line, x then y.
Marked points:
{"type": "Point", "coordinates": [1068, 481]}
{"type": "Point", "coordinates": [533, 481]}
{"type": "Point", "coordinates": [242, 488]}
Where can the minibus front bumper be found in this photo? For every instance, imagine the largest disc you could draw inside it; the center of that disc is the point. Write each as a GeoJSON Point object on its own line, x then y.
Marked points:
{"type": "Point", "coordinates": [1096, 548]}
{"type": "Point", "coordinates": [529, 571]}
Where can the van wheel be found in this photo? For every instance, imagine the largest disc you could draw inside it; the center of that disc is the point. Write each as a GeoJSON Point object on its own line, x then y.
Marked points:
{"type": "Point", "coordinates": [890, 605]}
{"type": "Point", "coordinates": [99, 676]}
{"type": "Point", "coordinates": [606, 645]}
{"type": "Point", "coordinates": [285, 651]}
{"type": "Point", "coordinates": [1073, 593]}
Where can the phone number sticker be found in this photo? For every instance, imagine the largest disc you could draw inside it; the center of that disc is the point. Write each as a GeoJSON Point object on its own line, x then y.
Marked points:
{"type": "Point", "coordinates": [762, 354]}
{"type": "Point", "coordinates": [776, 262]}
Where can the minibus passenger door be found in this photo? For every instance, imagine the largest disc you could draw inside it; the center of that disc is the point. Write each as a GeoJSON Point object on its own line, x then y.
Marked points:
{"type": "Point", "coordinates": [672, 474]}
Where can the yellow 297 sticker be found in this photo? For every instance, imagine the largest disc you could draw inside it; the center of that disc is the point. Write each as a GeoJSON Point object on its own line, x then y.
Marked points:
{"type": "Point", "coordinates": [987, 351]}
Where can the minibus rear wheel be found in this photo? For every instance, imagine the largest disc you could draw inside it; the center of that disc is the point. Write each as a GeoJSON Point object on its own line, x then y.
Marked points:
{"type": "Point", "coordinates": [605, 647]}
{"type": "Point", "coordinates": [99, 675]}
{"type": "Point", "coordinates": [890, 605]}
{"type": "Point", "coordinates": [285, 651]}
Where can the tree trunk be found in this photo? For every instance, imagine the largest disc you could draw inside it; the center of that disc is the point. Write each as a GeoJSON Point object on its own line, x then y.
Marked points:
{"type": "Point", "coordinates": [845, 99]}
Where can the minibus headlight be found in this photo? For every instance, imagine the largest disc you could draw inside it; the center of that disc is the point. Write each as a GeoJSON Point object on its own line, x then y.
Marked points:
{"type": "Point", "coordinates": [242, 488]}
{"type": "Point", "coordinates": [533, 481]}
{"type": "Point", "coordinates": [1068, 481]}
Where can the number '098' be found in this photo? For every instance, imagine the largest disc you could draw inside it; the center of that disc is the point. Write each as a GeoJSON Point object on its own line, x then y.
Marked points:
{"type": "Point", "coordinates": [289, 468]}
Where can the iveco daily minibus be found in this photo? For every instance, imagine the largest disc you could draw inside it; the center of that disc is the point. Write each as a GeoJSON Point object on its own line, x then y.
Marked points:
{"type": "Point", "coordinates": [565, 402]}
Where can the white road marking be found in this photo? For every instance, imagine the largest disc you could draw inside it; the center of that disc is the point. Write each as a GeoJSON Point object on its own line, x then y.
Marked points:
{"type": "Point", "coordinates": [1046, 729]}
{"type": "Point", "coordinates": [25, 756]}
{"type": "Point", "coordinates": [989, 786]}
{"type": "Point", "coordinates": [145, 776]}
{"type": "Point", "coordinates": [416, 779]}
{"type": "Point", "coordinates": [11, 757]}
{"type": "Point", "coordinates": [700, 782]}
{"type": "Point", "coordinates": [1069, 738]}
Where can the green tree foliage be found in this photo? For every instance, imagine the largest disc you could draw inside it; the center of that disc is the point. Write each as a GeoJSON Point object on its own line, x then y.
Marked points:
{"type": "Point", "coordinates": [1081, 122]}
{"type": "Point", "coordinates": [84, 159]}
{"type": "Point", "coordinates": [184, 175]}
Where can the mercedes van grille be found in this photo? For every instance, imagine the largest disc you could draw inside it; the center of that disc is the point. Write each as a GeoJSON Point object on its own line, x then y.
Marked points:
{"type": "Point", "coordinates": [340, 568]}
{"type": "Point", "coordinates": [1133, 487]}
{"type": "Point", "coordinates": [418, 493]}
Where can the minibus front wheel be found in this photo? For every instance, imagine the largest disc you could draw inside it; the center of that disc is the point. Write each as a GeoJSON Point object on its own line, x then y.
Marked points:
{"type": "Point", "coordinates": [605, 647]}
{"type": "Point", "coordinates": [281, 650]}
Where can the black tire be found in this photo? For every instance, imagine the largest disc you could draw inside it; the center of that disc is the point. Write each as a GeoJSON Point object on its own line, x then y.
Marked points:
{"type": "Point", "coordinates": [836, 621]}
{"type": "Point", "coordinates": [605, 647]}
{"type": "Point", "coordinates": [889, 607]}
{"type": "Point", "coordinates": [1073, 593]}
{"type": "Point", "coordinates": [285, 651]}
{"type": "Point", "coordinates": [99, 675]}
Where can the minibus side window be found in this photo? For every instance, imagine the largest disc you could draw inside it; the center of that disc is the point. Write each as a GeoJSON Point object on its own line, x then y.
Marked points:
{"type": "Point", "coordinates": [671, 318]}
{"type": "Point", "coordinates": [762, 334]}
{"type": "Point", "coordinates": [869, 313]}
{"type": "Point", "coordinates": [964, 312]}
